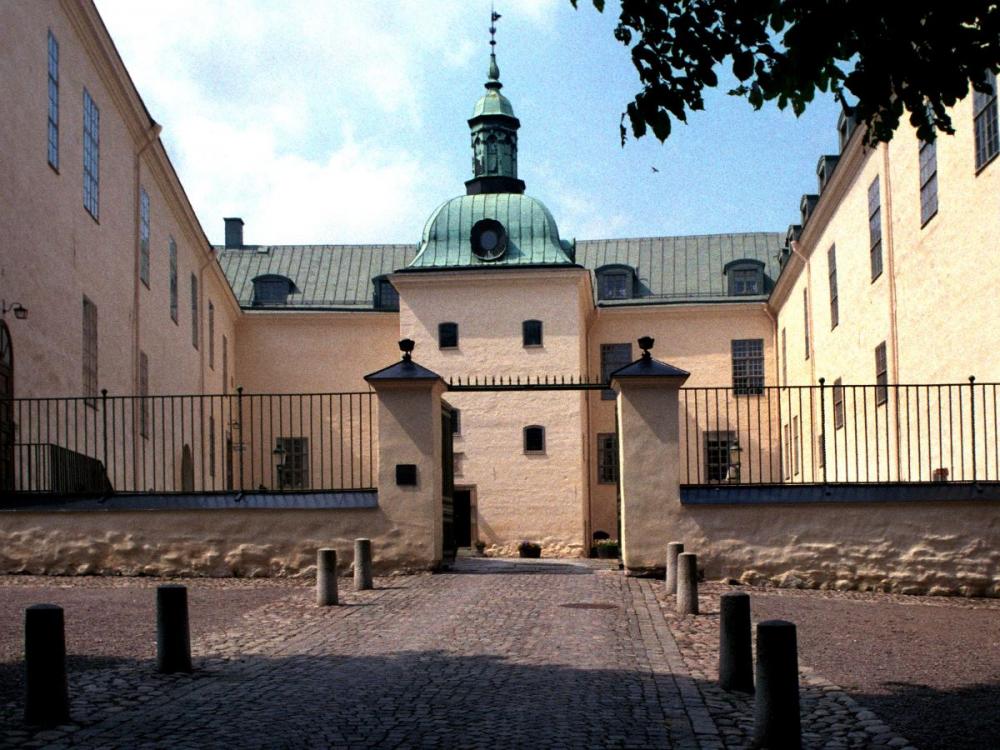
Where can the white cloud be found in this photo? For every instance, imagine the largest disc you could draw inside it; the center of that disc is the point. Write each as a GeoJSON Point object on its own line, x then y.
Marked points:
{"type": "Point", "coordinates": [262, 104]}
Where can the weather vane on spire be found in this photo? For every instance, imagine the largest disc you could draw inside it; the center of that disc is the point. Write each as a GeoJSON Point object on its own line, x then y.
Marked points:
{"type": "Point", "coordinates": [494, 17]}
{"type": "Point", "coordinates": [494, 70]}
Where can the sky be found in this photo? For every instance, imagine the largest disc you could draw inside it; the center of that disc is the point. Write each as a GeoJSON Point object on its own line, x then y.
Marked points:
{"type": "Point", "coordinates": [345, 121]}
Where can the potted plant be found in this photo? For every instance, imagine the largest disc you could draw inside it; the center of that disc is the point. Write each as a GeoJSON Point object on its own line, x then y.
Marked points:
{"type": "Point", "coordinates": [480, 546]}
{"type": "Point", "coordinates": [529, 549]}
{"type": "Point", "coordinates": [607, 549]}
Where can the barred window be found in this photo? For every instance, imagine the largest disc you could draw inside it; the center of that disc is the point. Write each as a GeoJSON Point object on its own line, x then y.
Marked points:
{"type": "Point", "coordinates": [143, 394]}
{"type": "Point", "coordinates": [805, 319]}
{"type": "Point", "coordinates": [194, 311]}
{"type": "Point", "coordinates": [172, 252]}
{"type": "Point", "coordinates": [748, 366]}
{"type": "Point", "coordinates": [838, 404]}
{"type": "Point", "coordinates": [928, 181]}
{"type": "Point", "coordinates": [831, 261]}
{"type": "Point", "coordinates": [607, 458]}
{"type": "Point", "coordinates": [984, 107]}
{"type": "Point", "coordinates": [293, 462]}
{"type": "Point", "coordinates": [89, 349]}
{"type": "Point", "coordinates": [881, 376]}
{"type": "Point", "coordinates": [91, 155]}
{"type": "Point", "coordinates": [613, 357]}
{"type": "Point", "coordinates": [144, 236]}
{"type": "Point", "coordinates": [720, 465]}
{"type": "Point", "coordinates": [53, 102]}
{"type": "Point", "coordinates": [875, 228]}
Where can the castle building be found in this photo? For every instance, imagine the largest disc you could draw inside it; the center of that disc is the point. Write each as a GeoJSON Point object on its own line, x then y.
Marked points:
{"type": "Point", "coordinates": [884, 280]}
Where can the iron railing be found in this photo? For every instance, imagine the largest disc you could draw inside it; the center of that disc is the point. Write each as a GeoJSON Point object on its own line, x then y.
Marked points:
{"type": "Point", "coordinates": [840, 433]}
{"type": "Point", "coordinates": [190, 443]}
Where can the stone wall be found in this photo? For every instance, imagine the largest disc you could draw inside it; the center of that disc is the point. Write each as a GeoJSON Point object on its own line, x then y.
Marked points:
{"type": "Point", "coordinates": [907, 548]}
{"type": "Point", "coordinates": [251, 542]}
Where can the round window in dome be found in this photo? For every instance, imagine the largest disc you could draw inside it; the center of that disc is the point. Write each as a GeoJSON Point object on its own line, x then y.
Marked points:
{"type": "Point", "coordinates": [489, 239]}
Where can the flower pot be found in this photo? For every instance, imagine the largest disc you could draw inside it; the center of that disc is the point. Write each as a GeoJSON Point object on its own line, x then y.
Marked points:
{"type": "Point", "coordinates": [530, 551]}
{"type": "Point", "coordinates": [607, 552]}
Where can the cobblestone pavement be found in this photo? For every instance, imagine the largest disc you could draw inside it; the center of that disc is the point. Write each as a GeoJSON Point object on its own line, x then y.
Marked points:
{"type": "Point", "coordinates": [486, 656]}
{"type": "Point", "coordinates": [498, 653]}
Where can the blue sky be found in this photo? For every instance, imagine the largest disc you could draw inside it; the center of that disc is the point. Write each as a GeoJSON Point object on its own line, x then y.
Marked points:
{"type": "Point", "coordinates": [344, 121]}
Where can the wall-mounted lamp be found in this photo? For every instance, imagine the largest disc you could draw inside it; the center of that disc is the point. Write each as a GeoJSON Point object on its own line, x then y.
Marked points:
{"type": "Point", "coordinates": [19, 310]}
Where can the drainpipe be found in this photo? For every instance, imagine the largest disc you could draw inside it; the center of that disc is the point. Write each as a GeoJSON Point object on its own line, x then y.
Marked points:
{"type": "Point", "coordinates": [891, 270]}
{"type": "Point", "coordinates": [890, 262]}
{"type": "Point", "coordinates": [151, 136]}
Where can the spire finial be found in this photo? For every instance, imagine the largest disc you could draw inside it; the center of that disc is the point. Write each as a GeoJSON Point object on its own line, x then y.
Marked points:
{"type": "Point", "coordinates": [494, 74]}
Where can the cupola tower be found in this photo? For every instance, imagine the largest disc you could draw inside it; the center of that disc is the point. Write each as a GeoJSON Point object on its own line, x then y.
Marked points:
{"type": "Point", "coordinates": [494, 135]}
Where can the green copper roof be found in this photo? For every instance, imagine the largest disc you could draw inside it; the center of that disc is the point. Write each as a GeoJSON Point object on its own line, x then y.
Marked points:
{"type": "Point", "coordinates": [493, 103]}
{"type": "Point", "coordinates": [533, 238]}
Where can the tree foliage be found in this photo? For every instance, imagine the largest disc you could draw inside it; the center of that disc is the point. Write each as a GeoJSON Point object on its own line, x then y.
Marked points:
{"type": "Point", "coordinates": [915, 56]}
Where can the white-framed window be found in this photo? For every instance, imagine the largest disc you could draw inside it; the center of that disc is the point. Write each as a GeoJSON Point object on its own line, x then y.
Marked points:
{"type": "Point", "coordinates": [748, 366]}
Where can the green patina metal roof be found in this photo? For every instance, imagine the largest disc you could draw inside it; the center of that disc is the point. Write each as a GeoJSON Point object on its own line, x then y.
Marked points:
{"type": "Point", "coordinates": [533, 238]}
{"type": "Point", "coordinates": [668, 269]}
{"type": "Point", "coordinates": [327, 276]}
{"type": "Point", "coordinates": [684, 269]}
{"type": "Point", "coordinates": [493, 103]}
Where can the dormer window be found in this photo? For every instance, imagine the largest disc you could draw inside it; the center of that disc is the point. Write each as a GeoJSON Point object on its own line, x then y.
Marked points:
{"type": "Point", "coordinates": [615, 282]}
{"type": "Point", "coordinates": [272, 290]}
{"type": "Point", "coordinates": [386, 296]}
{"type": "Point", "coordinates": [745, 276]}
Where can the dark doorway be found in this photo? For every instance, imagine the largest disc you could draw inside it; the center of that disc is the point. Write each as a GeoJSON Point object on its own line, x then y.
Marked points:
{"type": "Point", "coordinates": [6, 410]}
{"type": "Point", "coordinates": [463, 518]}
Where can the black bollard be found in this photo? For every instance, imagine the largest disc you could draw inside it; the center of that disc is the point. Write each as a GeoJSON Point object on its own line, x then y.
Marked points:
{"type": "Point", "coordinates": [173, 634]}
{"type": "Point", "coordinates": [735, 655]}
{"type": "Point", "coordinates": [777, 725]}
{"type": "Point", "coordinates": [46, 694]}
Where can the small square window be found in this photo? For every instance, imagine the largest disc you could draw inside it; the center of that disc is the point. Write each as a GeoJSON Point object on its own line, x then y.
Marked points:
{"type": "Point", "coordinates": [532, 332]}
{"type": "Point", "coordinates": [614, 285]}
{"type": "Point", "coordinates": [448, 336]}
{"type": "Point", "coordinates": [534, 439]}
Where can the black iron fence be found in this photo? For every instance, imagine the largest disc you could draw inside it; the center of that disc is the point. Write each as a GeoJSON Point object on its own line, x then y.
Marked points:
{"type": "Point", "coordinates": [189, 443]}
{"type": "Point", "coordinates": [840, 433]}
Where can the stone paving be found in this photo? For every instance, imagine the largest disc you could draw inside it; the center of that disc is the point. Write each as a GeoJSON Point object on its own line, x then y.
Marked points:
{"type": "Point", "coordinates": [498, 653]}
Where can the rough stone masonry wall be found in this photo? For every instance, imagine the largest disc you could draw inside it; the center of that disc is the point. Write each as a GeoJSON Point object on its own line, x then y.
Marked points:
{"type": "Point", "coordinates": [908, 548]}
{"type": "Point", "coordinates": [248, 543]}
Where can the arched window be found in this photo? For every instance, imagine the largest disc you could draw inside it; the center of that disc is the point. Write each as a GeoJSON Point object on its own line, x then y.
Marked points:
{"type": "Point", "coordinates": [271, 289]}
{"type": "Point", "coordinates": [534, 439]}
{"type": "Point", "coordinates": [531, 331]}
{"type": "Point", "coordinates": [386, 296]}
{"type": "Point", "coordinates": [615, 281]}
{"type": "Point", "coordinates": [448, 335]}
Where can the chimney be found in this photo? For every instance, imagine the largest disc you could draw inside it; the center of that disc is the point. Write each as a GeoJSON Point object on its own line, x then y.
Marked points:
{"type": "Point", "coordinates": [234, 233]}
